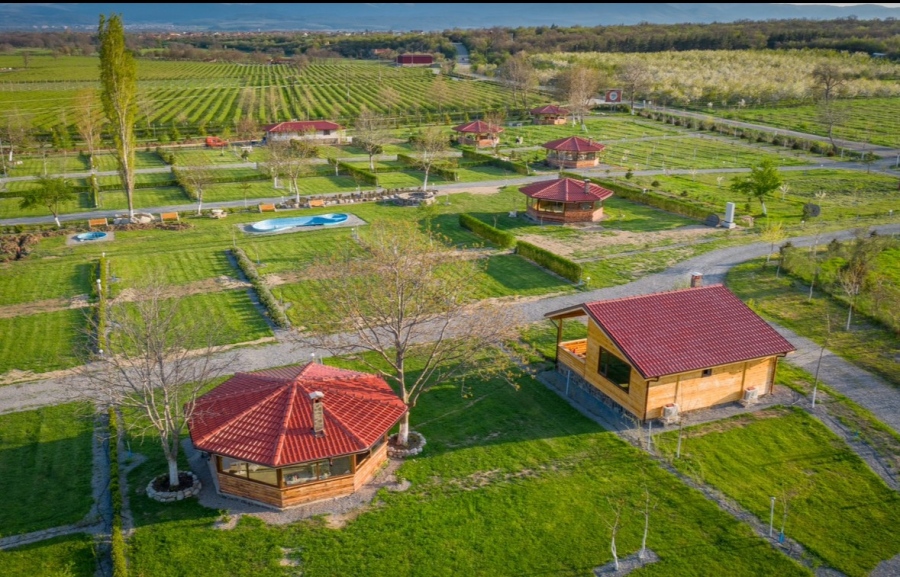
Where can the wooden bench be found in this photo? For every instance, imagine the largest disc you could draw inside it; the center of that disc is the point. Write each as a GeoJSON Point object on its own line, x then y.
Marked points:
{"type": "Point", "coordinates": [97, 222]}
{"type": "Point", "coordinates": [217, 213]}
{"type": "Point", "coordinates": [167, 216]}
{"type": "Point", "coordinates": [267, 208]}
{"type": "Point", "coordinates": [316, 203]}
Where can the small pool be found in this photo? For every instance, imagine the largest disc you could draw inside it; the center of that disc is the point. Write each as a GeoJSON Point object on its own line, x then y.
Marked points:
{"type": "Point", "coordinates": [276, 224]}
{"type": "Point", "coordinates": [96, 235]}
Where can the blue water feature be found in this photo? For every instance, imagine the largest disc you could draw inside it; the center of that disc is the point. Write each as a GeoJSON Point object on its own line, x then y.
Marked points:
{"type": "Point", "coordinates": [277, 224]}
{"type": "Point", "coordinates": [96, 235]}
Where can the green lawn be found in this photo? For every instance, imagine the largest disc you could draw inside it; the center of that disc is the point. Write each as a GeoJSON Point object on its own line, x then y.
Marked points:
{"type": "Point", "coordinates": [145, 197]}
{"type": "Point", "coordinates": [240, 320]}
{"type": "Point", "coordinates": [785, 300]}
{"type": "Point", "coordinates": [42, 342]}
{"type": "Point", "coordinates": [838, 509]}
{"type": "Point", "coordinates": [69, 556]}
{"type": "Point", "coordinates": [41, 279]}
{"type": "Point", "coordinates": [46, 459]}
{"type": "Point", "coordinates": [512, 482]}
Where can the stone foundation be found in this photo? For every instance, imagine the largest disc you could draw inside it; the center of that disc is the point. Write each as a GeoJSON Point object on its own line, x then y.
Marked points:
{"type": "Point", "coordinates": [416, 444]}
{"type": "Point", "coordinates": [171, 496]}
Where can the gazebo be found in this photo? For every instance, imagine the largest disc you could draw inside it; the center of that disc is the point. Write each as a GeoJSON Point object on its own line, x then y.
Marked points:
{"type": "Point", "coordinates": [292, 435]}
{"type": "Point", "coordinates": [573, 152]}
{"type": "Point", "coordinates": [549, 114]}
{"type": "Point", "coordinates": [565, 200]}
{"type": "Point", "coordinates": [479, 134]}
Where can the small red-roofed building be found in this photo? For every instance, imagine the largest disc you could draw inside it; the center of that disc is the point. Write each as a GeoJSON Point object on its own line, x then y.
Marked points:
{"type": "Point", "coordinates": [292, 435]}
{"type": "Point", "coordinates": [663, 354]}
{"type": "Point", "coordinates": [549, 114]}
{"type": "Point", "coordinates": [415, 60]}
{"type": "Point", "coordinates": [322, 131]}
{"type": "Point", "coordinates": [573, 152]}
{"type": "Point", "coordinates": [565, 200]}
{"type": "Point", "coordinates": [479, 134]}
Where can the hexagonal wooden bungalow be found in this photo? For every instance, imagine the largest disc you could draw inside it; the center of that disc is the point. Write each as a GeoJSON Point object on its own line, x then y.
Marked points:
{"type": "Point", "coordinates": [683, 350]}
{"type": "Point", "coordinates": [573, 152]}
{"type": "Point", "coordinates": [292, 435]}
{"type": "Point", "coordinates": [565, 200]}
{"type": "Point", "coordinates": [549, 114]}
{"type": "Point", "coordinates": [479, 134]}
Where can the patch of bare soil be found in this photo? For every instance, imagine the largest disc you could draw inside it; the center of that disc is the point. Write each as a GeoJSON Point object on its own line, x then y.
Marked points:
{"type": "Point", "coordinates": [598, 238]}
{"type": "Point", "coordinates": [36, 307]}
{"type": "Point", "coordinates": [483, 190]}
{"type": "Point", "coordinates": [737, 422]}
{"type": "Point", "coordinates": [210, 285]}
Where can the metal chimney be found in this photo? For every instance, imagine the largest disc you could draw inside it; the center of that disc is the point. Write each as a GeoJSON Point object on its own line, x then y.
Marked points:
{"type": "Point", "coordinates": [318, 414]}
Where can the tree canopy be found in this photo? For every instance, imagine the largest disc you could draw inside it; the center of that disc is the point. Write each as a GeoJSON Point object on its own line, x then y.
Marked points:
{"type": "Point", "coordinates": [763, 180]}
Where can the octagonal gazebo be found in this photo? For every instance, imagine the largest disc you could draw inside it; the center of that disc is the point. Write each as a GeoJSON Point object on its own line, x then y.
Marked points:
{"type": "Point", "coordinates": [549, 114]}
{"type": "Point", "coordinates": [573, 152]}
{"type": "Point", "coordinates": [565, 200]}
{"type": "Point", "coordinates": [479, 133]}
{"type": "Point", "coordinates": [289, 436]}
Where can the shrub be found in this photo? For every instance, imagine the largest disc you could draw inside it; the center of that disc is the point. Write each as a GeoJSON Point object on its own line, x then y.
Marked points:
{"type": "Point", "coordinates": [517, 167]}
{"type": "Point", "coordinates": [266, 297]}
{"type": "Point", "coordinates": [119, 560]}
{"type": "Point", "coordinates": [496, 236]}
{"type": "Point", "coordinates": [562, 266]}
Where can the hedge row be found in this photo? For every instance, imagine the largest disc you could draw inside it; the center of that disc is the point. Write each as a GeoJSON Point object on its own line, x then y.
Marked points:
{"type": "Point", "coordinates": [445, 169]}
{"type": "Point", "coordinates": [103, 276]}
{"type": "Point", "coordinates": [562, 266]}
{"type": "Point", "coordinates": [119, 559]}
{"type": "Point", "coordinates": [496, 236]}
{"type": "Point", "coordinates": [695, 209]}
{"type": "Point", "coordinates": [359, 173]}
{"type": "Point", "coordinates": [517, 167]}
{"type": "Point", "coordinates": [265, 295]}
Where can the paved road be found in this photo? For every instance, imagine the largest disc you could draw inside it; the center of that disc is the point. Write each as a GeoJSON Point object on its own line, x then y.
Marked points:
{"type": "Point", "coordinates": [866, 389]}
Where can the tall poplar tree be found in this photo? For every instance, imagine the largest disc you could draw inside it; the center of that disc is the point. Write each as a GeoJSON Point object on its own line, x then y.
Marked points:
{"type": "Point", "coordinates": [118, 80]}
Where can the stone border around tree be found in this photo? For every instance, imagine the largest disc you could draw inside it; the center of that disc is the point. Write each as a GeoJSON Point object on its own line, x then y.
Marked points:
{"type": "Point", "coordinates": [414, 447]}
{"type": "Point", "coordinates": [172, 496]}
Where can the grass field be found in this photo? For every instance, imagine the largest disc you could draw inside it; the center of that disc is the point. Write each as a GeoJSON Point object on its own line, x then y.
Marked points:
{"type": "Point", "coordinates": [513, 482]}
{"type": "Point", "coordinates": [47, 278]}
{"type": "Point", "coordinates": [69, 556]}
{"type": "Point", "coordinates": [46, 459]}
{"type": "Point", "coordinates": [42, 342]}
{"type": "Point", "coordinates": [838, 509]}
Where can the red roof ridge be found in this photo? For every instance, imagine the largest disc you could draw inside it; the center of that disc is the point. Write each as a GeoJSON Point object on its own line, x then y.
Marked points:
{"type": "Point", "coordinates": [288, 411]}
{"type": "Point", "coordinates": [634, 297]}
{"type": "Point", "coordinates": [332, 416]}
{"type": "Point", "coordinates": [208, 436]}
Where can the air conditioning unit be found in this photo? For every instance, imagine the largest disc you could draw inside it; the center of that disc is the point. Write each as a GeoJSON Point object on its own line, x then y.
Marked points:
{"type": "Point", "coordinates": [670, 411]}
{"type": "Point", "coordinates": [751, 396]}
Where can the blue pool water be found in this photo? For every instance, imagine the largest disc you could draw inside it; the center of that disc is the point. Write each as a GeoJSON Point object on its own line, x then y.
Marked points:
{"type": "Point", "coordinates": [96, 235]}
{"type": "Point", "coordinates": [276, 224]}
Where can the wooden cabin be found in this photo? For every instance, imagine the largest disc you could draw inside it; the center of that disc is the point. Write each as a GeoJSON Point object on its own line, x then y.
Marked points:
{"type": "Point", "coordinates": [573, 152]}
{"type": "Point", "coordinates": [293, 435]}
{"type": "Point", "coordinates": [565, 200]}
{"type": "Point", "coordinates": [320, 131]}
{"type": "Point", "coordinates": [479, 134]}
{"type": "Point", "coordinates": [550, 114]}
{"type": "Point", "coordinates": [663, 354]}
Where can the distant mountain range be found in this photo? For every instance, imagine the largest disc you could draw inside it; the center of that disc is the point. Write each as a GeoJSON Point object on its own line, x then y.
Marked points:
{"type": "Point", "coordinates": [401, 17]}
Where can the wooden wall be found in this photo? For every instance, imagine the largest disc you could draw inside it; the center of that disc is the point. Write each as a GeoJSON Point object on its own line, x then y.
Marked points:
{"type": "Point", "coordinates": [365, 471]}
{"type": "Point", "coordinates": [633, 401]}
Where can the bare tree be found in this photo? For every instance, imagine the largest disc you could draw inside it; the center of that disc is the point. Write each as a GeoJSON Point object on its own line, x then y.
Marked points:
{"type": "Point", "coordinates": [154, 360]}
{"type": "Point", "coordinates": [518, 73]}
{"type": "Point", "coordinates": [429, 144]}
{"type": "Point", "coordinates": [831, 114]}
{"type": "Point", "coordinates": [635, 77]}
{"type": "Point", "coordinates": [15, 134]}
{"type": "Point", "coordinates": [401, 294]}
{"type": "Point", "coordinates": [577, 86]}
{"type": "Point", "coordinates": [195, 179]}
{"type": "Point", "coordinates": [371, 134]}
{"type": "Point", "coordinates": [828, 79]}
{"type": "Point", "coordinates": [650, 505]}
{"type": "Point", "coordinates": [89, 121]}
{"type": "Point", "coordinates": [247, 128]}
{"type": "Point", "coordinates": [291, 159]}
{"type": "Point", "coordinates": [614, 525]}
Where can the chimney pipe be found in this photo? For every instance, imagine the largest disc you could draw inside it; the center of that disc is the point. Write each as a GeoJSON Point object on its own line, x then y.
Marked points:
{"type": "Point", "coordinates": [318, 413]}
{"type": "Point", "coordinates": [696, 279]}
{"type": "Point", "coordinates": [587, 186]}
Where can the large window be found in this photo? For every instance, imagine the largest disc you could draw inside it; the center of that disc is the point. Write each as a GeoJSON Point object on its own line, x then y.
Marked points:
{"type": "Point", "coordinates": [550, 206]}
{"type": "Point", "coordinates": [614, 369]}
{"type": "Point", "coordinates": [290, 476]}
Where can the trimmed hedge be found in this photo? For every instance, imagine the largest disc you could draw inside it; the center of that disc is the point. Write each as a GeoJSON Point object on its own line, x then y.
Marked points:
{"type": "Point", "coordinates": [119, 559]}
{"type": "Point", "coordinates": [103, 275]}
{"type": "Point", "coordinates": [517, 167]}
{"type": "Point", "coordinates": [265, 295]}
{"type": "Point", "coordinates": [491, 234]}
{"type": "Point", "coordinates": [562, 266]}
{"type": "Point", "coordinates": [363, 175]}
{"type": "Point", "coordinates": [444, 169]}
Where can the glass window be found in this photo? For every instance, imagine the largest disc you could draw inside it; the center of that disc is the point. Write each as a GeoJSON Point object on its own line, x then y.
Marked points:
{"type": "Point", "coordinates": [233, 467]}
{"type": "Point", "coordinates": [299, 474]}
{"type": "Point", "coordinates": [262, 474]}
{"type": "Point", "coordinates": [614, 369]}
{"type": "Point", "coordinates": [706, 373]}
{"type": "Point", "coordinates": [341, 466]}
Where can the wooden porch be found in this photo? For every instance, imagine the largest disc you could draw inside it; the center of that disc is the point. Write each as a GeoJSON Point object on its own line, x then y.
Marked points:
{"type": "Point", "coordinates": [572, 355]}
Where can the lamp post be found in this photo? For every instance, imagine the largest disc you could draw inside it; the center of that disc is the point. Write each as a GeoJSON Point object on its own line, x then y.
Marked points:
{"type": "Point", "coordinates": [99, 289]}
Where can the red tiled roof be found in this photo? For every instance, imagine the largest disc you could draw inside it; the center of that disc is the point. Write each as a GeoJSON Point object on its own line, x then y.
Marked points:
{"type": "Point", "coordinates": [566, 190]}
{"type": "Point", "coordinates": [302, 126]}
{"type": "Point", "coordinates": [266, 417]}
{"type": "Point", "coordinates": [686, 330]}
{"type": "Point", "coordinates": [478, 127]}
{"type": "Point", "coordinates": [574, 144]}
{"type": "Point", "coordinates": [549, 109]}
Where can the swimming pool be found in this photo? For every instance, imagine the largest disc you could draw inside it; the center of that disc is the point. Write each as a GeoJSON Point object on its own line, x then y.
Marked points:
{"type": "Point", "coordinates": [96, 235]}
{"type": "Point", "coordinates": [277, 224]}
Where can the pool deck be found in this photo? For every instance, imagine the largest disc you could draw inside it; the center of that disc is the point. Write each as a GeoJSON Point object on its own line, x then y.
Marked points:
{"type": "Point", "coordinates": [352, 221]}
{"type": "Point", "coordinates": [71, 241]}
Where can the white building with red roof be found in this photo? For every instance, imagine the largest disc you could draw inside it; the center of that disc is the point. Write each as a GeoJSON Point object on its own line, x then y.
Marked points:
{"type": "Point", "coordinates": [549, 114]}
{"type": "Point", "coordinates": [479, 134]}
{"type": "Point", "coordinates": [323, 131]}
{"type": "Point", "coordinates": [660, 354]}
{"type": "Point", "coordinates": [573, 152]}
{"type": "Point", "coordinates": [565, 200]}
{"type": "Point", "coordinates": [288, 436]}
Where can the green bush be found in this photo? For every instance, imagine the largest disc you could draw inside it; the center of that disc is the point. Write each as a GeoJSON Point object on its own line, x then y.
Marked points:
{"type": "Point", "coordinates": [119, 559]}
{"type": "Point", "coordinates": [266, 297]}
{"type": "Point", "coordinates": [496, 236]}
{"type": "Point", "coordinates": [517, 167]}
{"type": "Point", "coordinates": [562, 266]}
{"type": "Point", "coordinates": [695, 209]}
{"type": "Point", "coordinates": [358, 173]}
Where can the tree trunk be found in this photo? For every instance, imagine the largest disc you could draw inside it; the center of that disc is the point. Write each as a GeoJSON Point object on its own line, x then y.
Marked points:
{"type": "Point", "coordinates": [56, 218]}
{"type": "Point", "coordinates": [643, 552]}
{"type": "Point", "coordinates": [849, 316]}
{"type": "Point", "coordinates": [425, 184]}
{"type": "Point", "coordinates": [764, 211]}
{"type": "Point", "coordinates": [199, 202]}
{"type": "Point", "coordinates": [173, 472]}
{"type": "Point", "coordinates": [403, 435]}
{"type": "Point", "coordinates": [612, 549]}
